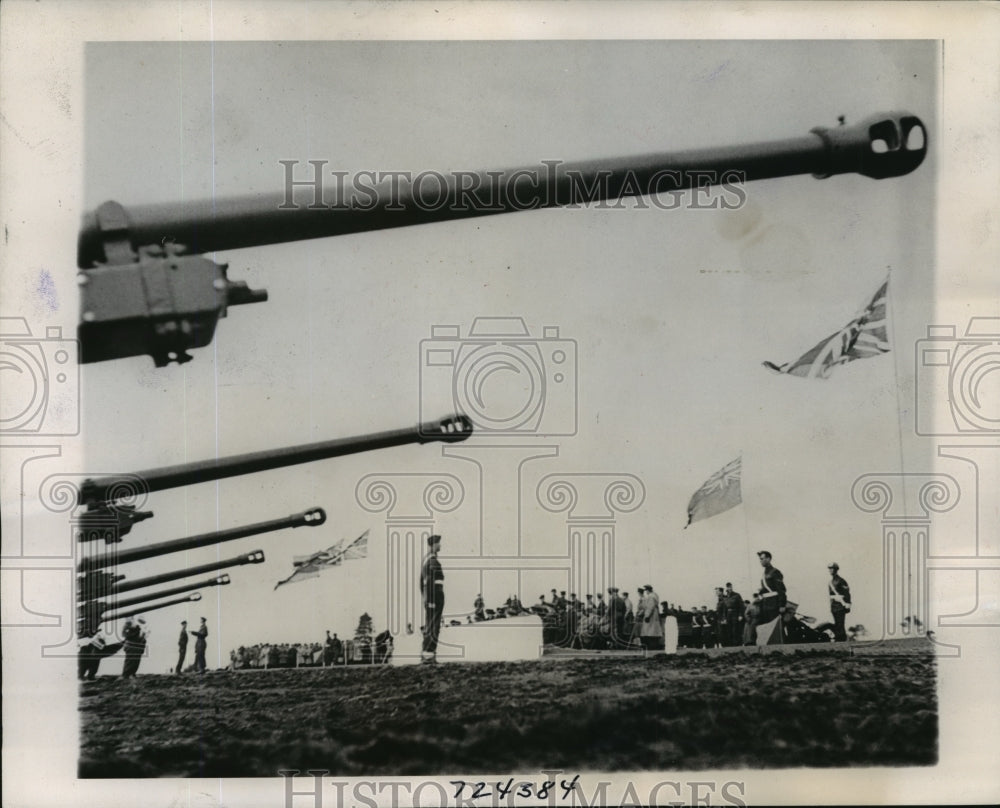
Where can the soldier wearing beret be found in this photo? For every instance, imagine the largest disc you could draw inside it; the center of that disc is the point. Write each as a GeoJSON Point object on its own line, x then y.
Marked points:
{"type": "Point", "coordinates": [772, 589]}
{"type": "Point", "coordinates": [432, 589]}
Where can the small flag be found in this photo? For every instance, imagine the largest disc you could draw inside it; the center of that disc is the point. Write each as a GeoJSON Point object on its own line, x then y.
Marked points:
{"type": "Point", "coordinates": [861, 338]}
{"type": "Point", "coordinates": [357, 548]}
{"type": "Point", "coordinates": [719, 493]}
{"type": "Point", "coordinates": [311, 566]}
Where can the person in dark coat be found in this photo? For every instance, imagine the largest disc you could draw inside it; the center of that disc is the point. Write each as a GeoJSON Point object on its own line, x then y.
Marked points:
{"type": "Point", "coordinates": [200, 646]}
{"type": "Point", "coordinates": [750, 613]}
{"type": "Point", "coordinates": [721, 634]}
{"type": "Point", "coordinates": [616, 617]}
{"type": "Point", "coordinates": [772, 589]}
{"type": "Point", "coordinates": [735, 609]}
{"type": "Point", "coordinates": [432, 589]}
{"type": "Point", "coordinates": [92, 650]}
{"type": "Point", "coordinates": [182, 646]}
{"type": "Point", "coordinates": [134, 635]}
{"type": "Point", "coordinates": [840, 601]}
{"type": "Point", "coordinates": [383, 647]}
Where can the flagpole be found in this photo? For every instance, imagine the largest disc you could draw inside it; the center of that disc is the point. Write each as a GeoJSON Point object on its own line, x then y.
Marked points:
{"type": "Point", "coordinates": [746, 525]}
{"type": "Point", "coordinates": [894, 343]}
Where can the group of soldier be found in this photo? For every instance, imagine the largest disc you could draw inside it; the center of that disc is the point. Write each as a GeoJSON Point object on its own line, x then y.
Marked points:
{"type": "Point", "coordinates": [617, 622]}
{"type": "Point", "coordinates": [591, 623]}
{"type": "Point", "coordinates": [134, 638]}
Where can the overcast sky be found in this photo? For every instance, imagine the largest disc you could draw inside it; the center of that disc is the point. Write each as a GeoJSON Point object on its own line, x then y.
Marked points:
{"type": "Point", "coordinates": [669, 313]}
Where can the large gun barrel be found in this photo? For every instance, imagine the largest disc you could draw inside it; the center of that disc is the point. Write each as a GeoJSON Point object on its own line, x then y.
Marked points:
{"type": "Point", "coordinates": [111, 616]}
{"type": "Point", "coordinates": [449, 430]}
{"type": "Point", "coordinates": [91, 613]}
{"type": "Point", "coordinates": [256, 557]}
{"type": "Point", "coordinates": [146, 288]}
{"type": "Point", "coordinates": [311, 518]}
{"type": "Point", "coordinates": [880, 146]}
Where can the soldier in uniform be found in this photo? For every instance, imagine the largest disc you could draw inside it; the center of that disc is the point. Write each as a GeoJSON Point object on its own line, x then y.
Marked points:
{"type": "Point", "coordinates": [721, 623]}
{"type": "Point", "coordinates": [840, 601]}
{"type": "Point", "coordinates": [629, 622]}
{"type": "Point", "coordinates": [432, 589]}
{"type": "Point", "coordinates": [735, 608]}
{"type": "Point", "coordinates": [135, 645]}
{"type": "Point", "coordinates": [479, 607]}
{"type": "Point", "coordinates": [328, 653]}
{"type": "Point", "coordinates": [182, 646]}
{"type": "Point", "coordinates": [200, 646]}
{"type": "Point", "coordinates": [616, 616]}
{"type": "Point", "coordinates": [772, 589]}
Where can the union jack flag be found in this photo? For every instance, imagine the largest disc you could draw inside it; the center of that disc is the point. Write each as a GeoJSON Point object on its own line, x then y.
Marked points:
{"type": "Point", "coordinates": [719, 493]}
{"type": "Point", "coordinates": [861, 338]}
{"type": "Point", "coordinates": [310, 566]}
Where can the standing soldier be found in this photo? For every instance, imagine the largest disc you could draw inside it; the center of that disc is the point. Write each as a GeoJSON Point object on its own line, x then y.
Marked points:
{"type": "Point", "coordinates": [721, 623]}
{"type": "Point", "coordinates": [182, 646]}
{"type": "Point", "coordinates": [750, 618]}
{"type": "Point", "coordinates": [629, 622]}
{"type": "Point", "coordinates": [480, 608]}
{"type": "Point", "coordinates": [200, 646]}
{"type": "Point", "coordinates": [432, 589]}
{"type": "Point", "coordinates": [735, 608]}
{"type": "Point", "coordinates": [135, 645]}
{"type": "Point", "coordinates": [772, 589]}
{"type": "Point", "coordinates": [840, 601]}
{"type": "Point", "coordinates": [651, 630]}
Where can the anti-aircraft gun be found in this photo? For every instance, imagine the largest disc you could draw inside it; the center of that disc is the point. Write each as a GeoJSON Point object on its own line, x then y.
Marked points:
{"type": "Point", "coordinates": [147, 288]}
{"type": "Point", "coordinates": [96, 584]}
{"type": "Point", "coordinates": [104, 491]}
{"type": "Point", "coordinates": [93, 585]}
{"type": "Point", "coordinates": [102, 495]}
{"type": "Point", "coordinates": [194, 597]}
{"type": "Point", "coordinates": [94, 612]}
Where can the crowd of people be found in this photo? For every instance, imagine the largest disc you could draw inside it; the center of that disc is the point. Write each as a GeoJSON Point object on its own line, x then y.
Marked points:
{"type": "Point", "coordinates": [362, 650]}
{"type": "Point", "coordinates": [594, 622]}
{"type": "Point", "coordinates": [617, 622]}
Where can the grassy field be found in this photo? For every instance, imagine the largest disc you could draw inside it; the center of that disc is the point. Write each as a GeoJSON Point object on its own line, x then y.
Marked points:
{"type": "Point", "coordinates": [696, 711]}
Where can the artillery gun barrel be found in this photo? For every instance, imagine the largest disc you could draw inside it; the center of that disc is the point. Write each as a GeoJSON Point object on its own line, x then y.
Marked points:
{"type": "Point", "coordinates": [221, 580]}
{"type": "Point", "coordinates": [449, 430]}
{"type": "Point", "coordinates": [310, 518]}
{"type": "Point", "coordinates": [256, 557]}
{"type": "Point", "coordinates": [885, 145]}
{"type": "Point", "coordinates": [192, 598]}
